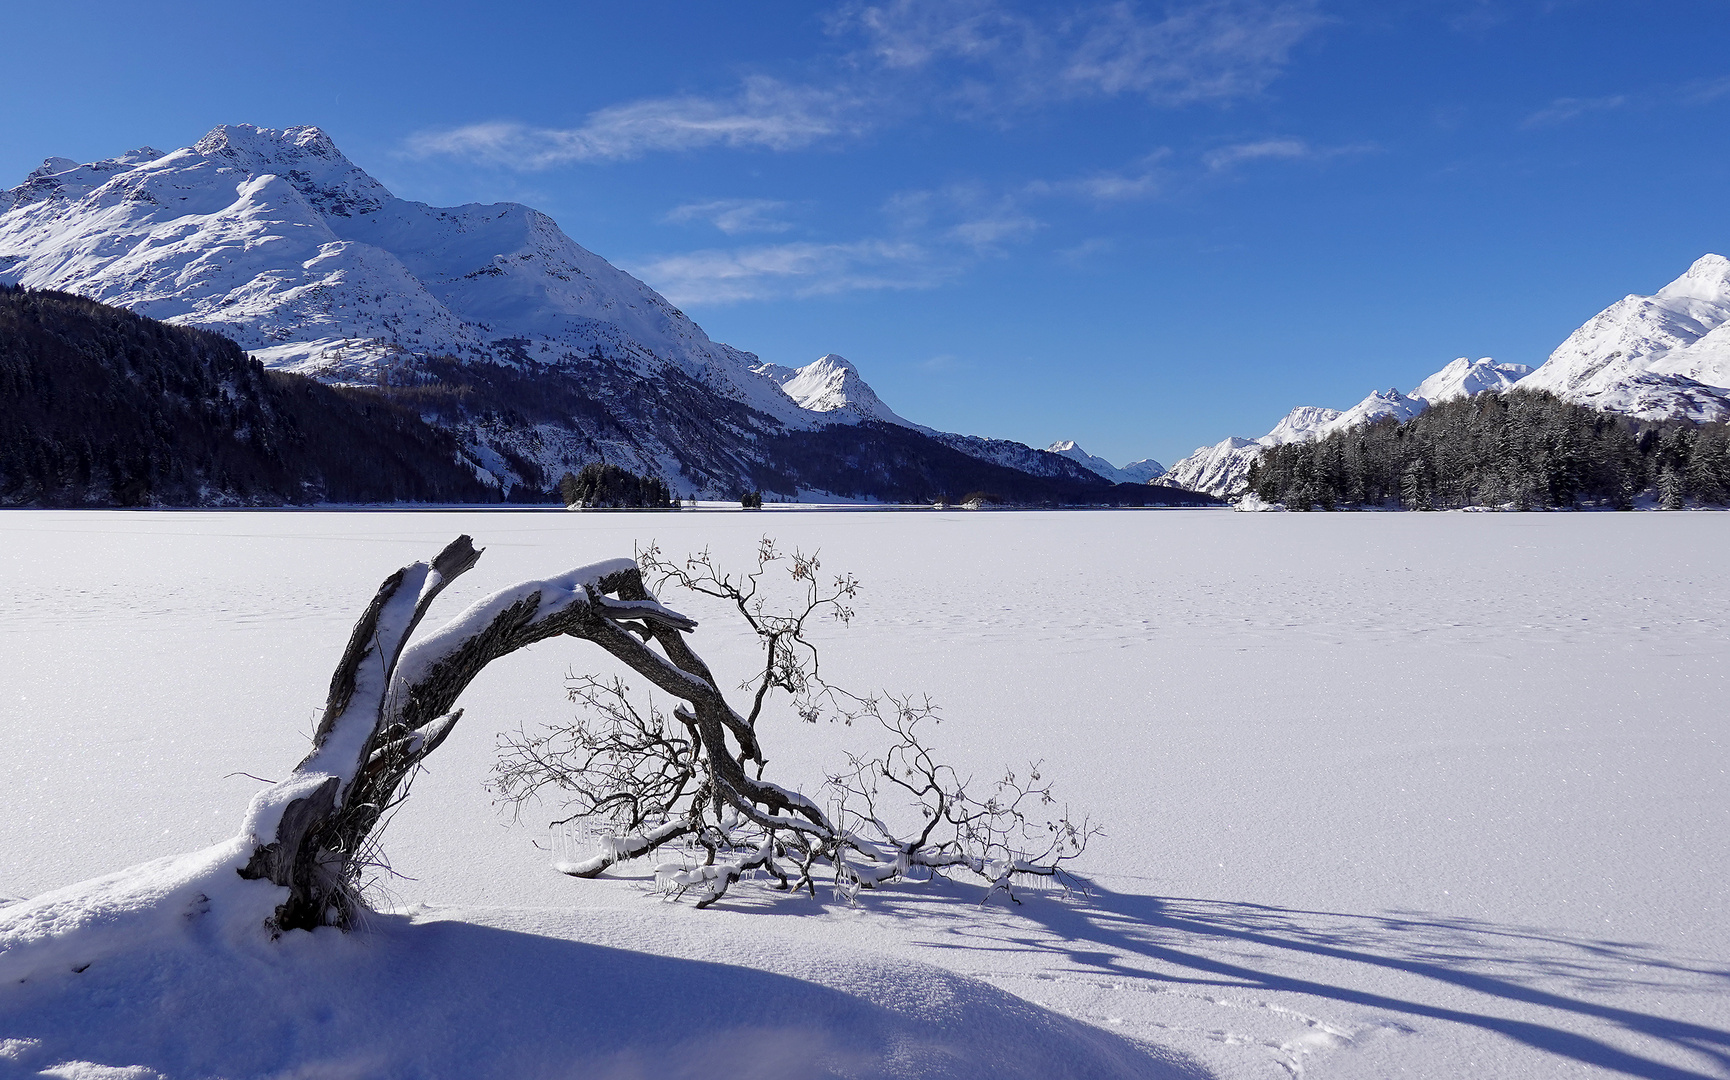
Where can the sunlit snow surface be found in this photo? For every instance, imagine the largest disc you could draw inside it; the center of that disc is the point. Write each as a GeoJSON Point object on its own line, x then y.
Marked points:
{"type": "Point", "coordinates": [1437, 795]}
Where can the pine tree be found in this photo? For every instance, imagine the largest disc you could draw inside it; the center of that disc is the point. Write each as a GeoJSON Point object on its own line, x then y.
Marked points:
{"type": "Point", "coordinates": [1670, 488]}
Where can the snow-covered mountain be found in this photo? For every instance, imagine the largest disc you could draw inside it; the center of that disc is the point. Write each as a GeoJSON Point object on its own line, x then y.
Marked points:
{"type": "Point", "coordinates": [1223, 468]}
{"type": "Point", "coordinates": [1464, 377]}
{"type": "Point", "coordinates": [1143, 471]}
{"type": "Point", "coordinates": [1389, 402]}
{"type": "Point", "coordinates": [832, 387]}
{"type": "Point", "coordinates": [1300, 425]}
{"type": "Point", "coordinates": [1655, 357]}
{"type": "Point", "coordinates": [277, 240]}
{"type": "Point", "coordinates": [1136, 472]}
{"type": "Point", "coordinates": [1220, 469]}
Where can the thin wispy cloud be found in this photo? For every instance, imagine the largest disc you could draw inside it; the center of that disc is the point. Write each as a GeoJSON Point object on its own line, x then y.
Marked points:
{"type": "Point", "coordinates": [1225, 158]}
{"type": "Point", "coordinates": [1145, 179]}
{"type": "Point", "coordinates": [764, 114]}
{"type": "Point", "coordinates": [931, 236]}
{"type": "Point", "coordinates": [1703, 91]}
{"type": "Point", "coordinates": [971, 215]}
{"type": "Point", "coordinates": [1564, 109]}
{"type": "Point", "coordinates": [906, 57]}
{"type": "Point", "coordinates": [733, 216]}
{"type": "Point", "coordinates": [1087, 252]}
{"type": "Point", "coordinates": [799, 269]}
{"type": "Point", "coordinates": [1008, 55]}
{"type": "Point", "coordinates": [1205, 52]}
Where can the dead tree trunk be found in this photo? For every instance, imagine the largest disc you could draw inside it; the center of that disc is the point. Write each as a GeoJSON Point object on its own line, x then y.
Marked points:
{"type": "Point", "coordinates": [391, 706]}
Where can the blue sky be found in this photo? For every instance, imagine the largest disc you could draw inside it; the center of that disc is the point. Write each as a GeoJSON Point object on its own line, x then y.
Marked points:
{"type": "Point", "coordinates": [1143, 226]}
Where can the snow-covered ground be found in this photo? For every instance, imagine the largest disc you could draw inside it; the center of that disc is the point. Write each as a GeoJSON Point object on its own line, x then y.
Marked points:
{"type": "Point", "coordinates": [1387, 794]}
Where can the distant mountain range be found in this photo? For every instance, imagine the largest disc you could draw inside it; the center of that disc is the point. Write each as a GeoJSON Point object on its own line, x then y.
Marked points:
{"type": "Point", "coordinates": [1136, 472]}
{"type": "Point", "coordinates": [1659, 357]}
{"type": "Point", "coordinates": [535, 354]}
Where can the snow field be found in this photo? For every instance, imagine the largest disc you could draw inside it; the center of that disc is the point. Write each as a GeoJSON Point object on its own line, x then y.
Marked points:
{"type": "Point", "coordinates": [1435, 794]}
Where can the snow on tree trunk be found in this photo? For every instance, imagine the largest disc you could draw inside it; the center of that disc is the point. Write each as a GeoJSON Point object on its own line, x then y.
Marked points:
{"type": "Point", "coordinates": [390, 706]}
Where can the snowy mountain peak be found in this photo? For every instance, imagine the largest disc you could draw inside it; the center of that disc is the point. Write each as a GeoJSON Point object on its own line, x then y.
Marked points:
{"type": "Point", "coordinates": [305, 157]}
{"type": "Point", "coordinates": [1389, 402]}
{"type": "Point", "coordinates": [274, 238]}
{"type": "Point", "coordinates": [1464, 378]}
{"type": "Point", "coordinates": [831, 386]}
{"type": "Point", "coordinates": [1707, 280]}
{"type": "Point", "coordinates": [1220, 469]}
{"type": "Point", "coordinates": [1300, 425]}
{"type": "Point", "coordinates": [49, 167]}
{"type": "Point", "coordinates": [1653, 357]}
{"type": "Point", "coordinates": [1136, 472]}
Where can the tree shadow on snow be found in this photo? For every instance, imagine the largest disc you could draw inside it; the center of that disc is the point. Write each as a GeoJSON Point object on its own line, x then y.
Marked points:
{"type": "Point", "coordinates": [1464, 971]}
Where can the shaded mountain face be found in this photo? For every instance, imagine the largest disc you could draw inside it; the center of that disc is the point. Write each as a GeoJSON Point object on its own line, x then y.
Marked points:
{"type": "Point", "coordinates": [489, 312]}
{"type": "Point", "coordinates": [102, 407]}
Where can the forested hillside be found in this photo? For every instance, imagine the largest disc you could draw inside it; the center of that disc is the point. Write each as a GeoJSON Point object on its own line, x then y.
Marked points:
{"type": "Point", "coordinates": [101, 407]}
{"type": "Point", "coordinates": [1526, 449]}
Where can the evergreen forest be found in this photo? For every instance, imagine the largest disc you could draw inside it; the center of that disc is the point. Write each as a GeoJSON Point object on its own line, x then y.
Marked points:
{"type": "Point", "coordinates": [607, 486]}
{"type": "Point", "coordinates": [1525, 450]}
{"type": "Point", "coordinates": [101, 407]}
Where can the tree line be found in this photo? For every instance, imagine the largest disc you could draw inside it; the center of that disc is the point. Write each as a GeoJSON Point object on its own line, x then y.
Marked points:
{"type": "Point", "coordinates": [101, 407]}
{"type": "Point", "coordinates": [1526, 449]}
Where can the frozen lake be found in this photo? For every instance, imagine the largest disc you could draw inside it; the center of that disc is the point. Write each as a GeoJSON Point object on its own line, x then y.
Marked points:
{"type": "Point", "coordinates": [1443, 794]}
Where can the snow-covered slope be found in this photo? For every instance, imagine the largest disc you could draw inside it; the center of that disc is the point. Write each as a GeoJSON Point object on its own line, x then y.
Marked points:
{"type": "Point", "coordinates": [1464, 378]}
{"type": "Point", "coordinates": [1389, 402]}
{"type": "Point", "coordinates": [1654, 357]}
{"type": "Point", "coordinates": [277, 240]}
{"type": "Point", "coordinates": [1222, 469]}
{"type": "Point", "coordinates": [832, 386]}
{"type": "Point", "coordinates": [1136, 472]}
{"type": "Point", "coordinates": [274, 238]}
{"type": "Point", "coordinates": [1143, 471]}
{"type": "Point", "coordinates": [1300, 425]}
{"type": "Point", "coordinates": [1219, 469]}
{"type": "Point", "coordinates": [1406, 696]}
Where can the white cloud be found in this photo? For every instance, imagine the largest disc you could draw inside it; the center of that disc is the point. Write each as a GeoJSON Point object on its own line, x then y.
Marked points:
{"type": "Point", "coordinates": [1205, 50]}
{"type": "Point", "coordinates": [1276, 149]}
{"type": "Point", "coordinates": [1564, 109]}
{"type": "Point", "coordinates": [1084, 253]}
{"type": "Point", "coordinates": [1143, 180]}
{"type": "Point", "coordinates": [965, 57]}
{"type": "Point", "coordinates": [987, 231]}
{"type": "Point", "coordinates": [733, 216]}
{"type": "Point", "coordinates": [968, 214]}
{"type": "Point", "coordinates": [764, 114]}
{"type": "Point", "coordinates": [718, 276]}
{"type": "Point", "coordinates": [931, 237]}
{"type": "Point", "coordinates": [1701, 91]}
{"type": "Point", "coordinates": [915, 33]}
{"type": "Point", "coordinates": [1210, 51]}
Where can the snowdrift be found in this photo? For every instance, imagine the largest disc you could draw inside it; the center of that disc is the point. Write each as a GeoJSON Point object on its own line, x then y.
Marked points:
{"type": "Point", "coordinates": [166, 970]}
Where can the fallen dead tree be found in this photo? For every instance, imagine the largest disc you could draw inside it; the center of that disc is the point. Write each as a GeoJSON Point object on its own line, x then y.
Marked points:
{"type": "Point", "coordinates": [658, 776]}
